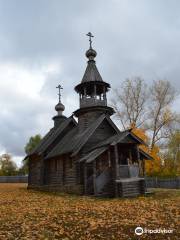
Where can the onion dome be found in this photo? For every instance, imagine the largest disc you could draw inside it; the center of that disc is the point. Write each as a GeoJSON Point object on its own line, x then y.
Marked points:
{"type": "Point", "coordinates": [59, 108]}
{"type": "Point", "coordinates": [91, 54]}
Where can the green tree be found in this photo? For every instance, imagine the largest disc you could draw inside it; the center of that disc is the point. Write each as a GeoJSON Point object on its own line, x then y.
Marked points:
{"type": "Point", "coordinates": [32, 143]}
{"type": "Point", "coordinates": [7, 166]}
{"type": "Point", "coordinates": [30, 146]}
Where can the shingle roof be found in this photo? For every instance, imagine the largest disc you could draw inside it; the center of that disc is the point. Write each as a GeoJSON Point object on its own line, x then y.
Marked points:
{"type": "Point", "coordinates": [65, 145]}
{"type": "Point", "coordinates": [51, 136]}
{"type": "Point", "coordinates": [118, 138]}
{"type": "Point", "coordinates": [43, 142]}
{"type": "Point", "coordinates": [112, 140]}
{"type": "Point", "coordinates": [93, 155]}
{"type": "Point", "coordinates": [145, 154]}
{"type": "Point", "coordinates": [121, 138]}
{"type": "Point", "coordinates": [89, 131]}
{"type": "Point", "coordinates": [91, 74]}
{"type": "Point", "coordinates": [74, 141]}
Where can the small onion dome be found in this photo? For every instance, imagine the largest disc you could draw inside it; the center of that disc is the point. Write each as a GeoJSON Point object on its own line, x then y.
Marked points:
{"type": "Point", "coordinates": [91, 54]}
{"type": "Point", "coordinates": [59, 107]}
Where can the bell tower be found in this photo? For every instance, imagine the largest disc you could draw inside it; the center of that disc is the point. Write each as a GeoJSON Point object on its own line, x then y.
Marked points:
{"type": "Point", "coordinates": [92, 92]}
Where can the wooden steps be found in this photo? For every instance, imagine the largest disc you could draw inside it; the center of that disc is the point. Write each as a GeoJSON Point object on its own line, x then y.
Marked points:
{"type": "Point", "coordinates": [130, 187]}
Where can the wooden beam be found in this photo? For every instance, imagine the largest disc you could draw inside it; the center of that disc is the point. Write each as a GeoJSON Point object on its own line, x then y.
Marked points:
{"type": "Point", "coordinates": [143, 167]}
{"type": "Point", "coordinates": [116, 161]}
{"type": "Point", "coordinates": [85, 92]}
{"type": "Point", "coordinates": [109, 158]}
{"type": "Point", "coordinates": [130, 156]}
{"type": "Point", "coordinates": [139, 161]}
{"type": "Point", "coordinates": [94, 177]}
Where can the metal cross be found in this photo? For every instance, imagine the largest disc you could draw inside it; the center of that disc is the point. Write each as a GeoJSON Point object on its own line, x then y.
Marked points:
{"type": "Point", "coordinates": [90, 40]}
{"type": "Point", "coordinates": [59, 94]}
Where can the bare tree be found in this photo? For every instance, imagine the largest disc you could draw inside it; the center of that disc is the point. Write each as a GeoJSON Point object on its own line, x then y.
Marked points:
{"type": "Point", "coordinates": [129, 102]}
{"type": "Point", "coordinates": [161, 117]}
{"type": "Point", "coordinates": [149, 109]}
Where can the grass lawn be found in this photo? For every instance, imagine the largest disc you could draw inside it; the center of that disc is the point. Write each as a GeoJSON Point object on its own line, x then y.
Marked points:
{"type": "Point", "coordinates": [27, 214]}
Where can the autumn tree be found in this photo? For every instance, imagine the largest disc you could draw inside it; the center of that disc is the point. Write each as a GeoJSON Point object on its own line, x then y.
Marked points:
{"type": "Point", "coordinates": [160, 116]}
{"type": "Point", "coordinates": [129, 102]}
{"type": "Point", "coordinates": [150, 110]}
{"type": "Point", "coordinates": [7, 166]}
{"type": "Point", "coordinates": [152, 167]}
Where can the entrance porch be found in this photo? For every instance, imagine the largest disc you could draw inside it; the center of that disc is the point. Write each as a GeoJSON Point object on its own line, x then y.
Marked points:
{"type": "Point", "coordinates": [105, 169]}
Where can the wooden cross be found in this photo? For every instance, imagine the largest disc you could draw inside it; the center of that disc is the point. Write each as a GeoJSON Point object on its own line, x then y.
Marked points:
{"type": "Point", "coordinates": [90, 38]}
{"type": "Point", "coordinates": [59, 94]}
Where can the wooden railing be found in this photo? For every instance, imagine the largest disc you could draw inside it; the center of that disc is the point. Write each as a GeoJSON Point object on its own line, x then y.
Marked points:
{"type": "Point", "coordinates": [85, 102]}
{"type": "Point", "coordinates": [128, 171]}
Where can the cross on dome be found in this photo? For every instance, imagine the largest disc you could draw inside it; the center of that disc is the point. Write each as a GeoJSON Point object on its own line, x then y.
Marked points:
{"type": "Point", "coordinates": [90, 38]}
{"type": "Point", "coordinates": [59, 94]}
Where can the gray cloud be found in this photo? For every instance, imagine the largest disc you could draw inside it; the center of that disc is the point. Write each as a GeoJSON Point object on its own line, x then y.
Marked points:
{"type": "Point", "coordinates": [131, 37]}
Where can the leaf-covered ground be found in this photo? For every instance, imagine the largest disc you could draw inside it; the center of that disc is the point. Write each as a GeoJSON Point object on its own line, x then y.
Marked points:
{"type": "Point", "coordinates": [26, 214]}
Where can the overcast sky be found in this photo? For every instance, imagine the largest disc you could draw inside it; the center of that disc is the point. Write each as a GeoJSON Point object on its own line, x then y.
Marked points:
{"type": "Point", "coordinates": [42, 44]}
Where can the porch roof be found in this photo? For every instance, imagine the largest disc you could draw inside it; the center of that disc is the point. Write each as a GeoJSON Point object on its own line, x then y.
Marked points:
{"type": "Point", "coordinates": [119, 138]}
{"type": "Point", "coordinates": [91, 156]}
{"type": "Point", "coordinates": [145, 155]}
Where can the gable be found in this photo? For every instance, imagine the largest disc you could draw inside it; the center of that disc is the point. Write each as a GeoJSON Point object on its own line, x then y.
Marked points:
{"type": "Point", "coordinates": [105, 130]}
